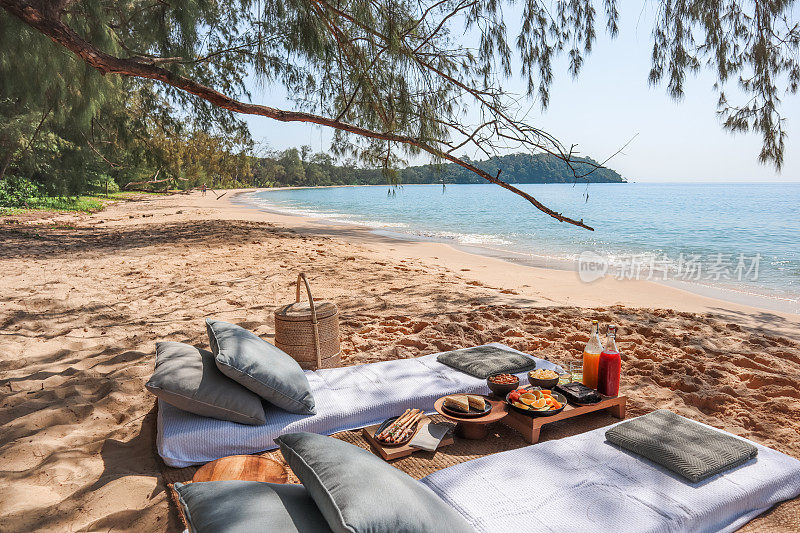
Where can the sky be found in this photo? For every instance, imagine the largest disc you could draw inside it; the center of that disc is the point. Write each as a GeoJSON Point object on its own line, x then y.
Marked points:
{"type": "Point", "coordinates": [611, 103]}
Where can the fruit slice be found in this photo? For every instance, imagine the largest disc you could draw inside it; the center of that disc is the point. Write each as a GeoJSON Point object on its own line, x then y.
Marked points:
{"type": "Point", "coordinates": [520, 405]}
{"type": "Point", "coordinates": [528, 401]}
{"type": "Point", "coordinates": [539, 404]}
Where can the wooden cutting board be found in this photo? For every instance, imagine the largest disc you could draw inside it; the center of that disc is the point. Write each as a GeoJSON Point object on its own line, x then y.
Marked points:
{"type": "Point", "coordinates": [242, 467]}
{"type": "Point", "coordinates": [389, 453]}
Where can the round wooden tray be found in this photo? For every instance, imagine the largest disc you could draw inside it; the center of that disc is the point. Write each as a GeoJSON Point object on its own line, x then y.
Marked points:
{"type": "Point", "coordinates": [242, 467]}
{"type": "Point", "coordinates": [475, 428]}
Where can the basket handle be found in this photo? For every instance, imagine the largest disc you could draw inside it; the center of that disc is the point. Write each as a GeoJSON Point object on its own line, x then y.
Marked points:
{"type": "Point", "coordinates": [302, 276]}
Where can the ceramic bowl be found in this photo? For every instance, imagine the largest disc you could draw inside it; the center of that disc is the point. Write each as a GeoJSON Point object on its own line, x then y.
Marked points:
{"type": "Point", "coordinates": [501, 389]}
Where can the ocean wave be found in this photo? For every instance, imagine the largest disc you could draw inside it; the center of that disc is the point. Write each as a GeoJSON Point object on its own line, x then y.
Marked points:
{"type": "Point", "coordinates": [462, 238]}
{"type": "Point", "coordinates": [294, 210]}
{"type": "Point", "coordinates": [330, 216]}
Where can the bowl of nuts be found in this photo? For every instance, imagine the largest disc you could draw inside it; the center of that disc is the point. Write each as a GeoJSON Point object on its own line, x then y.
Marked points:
{"type": "Point", "coordinates": [502, 384]}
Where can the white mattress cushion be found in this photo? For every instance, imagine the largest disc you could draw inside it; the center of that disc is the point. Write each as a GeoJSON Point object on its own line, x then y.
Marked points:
{"type": "Point", "coordinates": [584, 483]}
{"type": "Point", "coordinates": [346, 398]}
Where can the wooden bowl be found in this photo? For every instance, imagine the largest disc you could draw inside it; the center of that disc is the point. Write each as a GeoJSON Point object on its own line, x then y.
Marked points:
{"type": "Point", "coordinates": [543, 383]}
{"type": "Point", "coordinates": [501, 389]}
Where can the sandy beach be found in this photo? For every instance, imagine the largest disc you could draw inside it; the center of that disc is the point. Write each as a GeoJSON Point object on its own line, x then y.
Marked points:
{"type": "Point", "coordinates": [86, 297]}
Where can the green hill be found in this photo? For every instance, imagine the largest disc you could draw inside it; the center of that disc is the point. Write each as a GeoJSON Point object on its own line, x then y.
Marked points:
{"type": "Point", "coordinates": [516, 168]}
{"type": "Point", "coordinates": [295, 168]}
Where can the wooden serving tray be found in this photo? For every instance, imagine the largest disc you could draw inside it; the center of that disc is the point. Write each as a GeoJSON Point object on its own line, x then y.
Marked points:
{"type": "Point", "coordinates": [529, 426]}
{"type": "Point", "coordinates": [242, 467]}
{"type": "Point", "coordinates": [389, 453]}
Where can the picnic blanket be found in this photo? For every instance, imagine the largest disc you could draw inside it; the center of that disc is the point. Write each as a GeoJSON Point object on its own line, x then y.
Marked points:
{"type": "Point", "coordinates": [585, 483]}
{"type": "Point", "coordinates": [346, 398]}
{"type": "Point", "coordinates": [681, 445]}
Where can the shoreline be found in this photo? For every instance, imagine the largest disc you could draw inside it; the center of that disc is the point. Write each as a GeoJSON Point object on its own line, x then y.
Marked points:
{"type": "Point", "coordinates": [725, 296]}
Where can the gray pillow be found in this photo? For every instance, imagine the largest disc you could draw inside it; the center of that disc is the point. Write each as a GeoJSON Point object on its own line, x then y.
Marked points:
{"type": "Point", "coordinates": [485, 361]}
{"type": "Point", "coordinates": [248, 506]}
{"type": "Point", "coordinates": [189, 379]}
{"type": "Point", "coordinates": [681, 445]}
{"type": "Point", "coordinates": [261, 367]}
{"type": "Point", "coordinates": [358, 492]}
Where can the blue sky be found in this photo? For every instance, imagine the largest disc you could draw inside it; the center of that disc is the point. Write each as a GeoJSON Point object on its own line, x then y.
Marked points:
{"type": "Point", "coordinates": [607, 105]}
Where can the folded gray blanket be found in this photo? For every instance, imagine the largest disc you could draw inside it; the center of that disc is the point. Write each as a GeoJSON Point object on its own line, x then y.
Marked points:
{"type": "Point", "coordinates": [485, 361]}
{"type": "Point", "coordinates": [687, 448]}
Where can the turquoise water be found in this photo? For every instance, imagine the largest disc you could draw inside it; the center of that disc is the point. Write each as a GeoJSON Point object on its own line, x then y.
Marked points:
{"type": "Point", "coordinates": [739, 238]}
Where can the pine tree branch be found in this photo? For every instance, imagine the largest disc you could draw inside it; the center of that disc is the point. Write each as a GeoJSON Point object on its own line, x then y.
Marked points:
{"type": "Point", "coordinates": [32, 14]}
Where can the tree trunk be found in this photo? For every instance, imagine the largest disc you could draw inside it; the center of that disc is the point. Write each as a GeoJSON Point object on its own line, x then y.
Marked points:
{"type": "Point", "coordinates": [6, 162]}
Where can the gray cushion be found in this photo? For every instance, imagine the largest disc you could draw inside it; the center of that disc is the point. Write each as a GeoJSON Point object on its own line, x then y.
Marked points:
{"type": "Point", "coordinates": [358, 492]}
{"type": "Point", "coordinates": [249, 506]}
{"type": "Point", "coordinates": [188, 378]}
{"type": "Point", "coordinates": [687, 448]}
{"type": "Point", "coordinates": [261, 367]}
{"type": "Point", "coordinates": [485, 361]}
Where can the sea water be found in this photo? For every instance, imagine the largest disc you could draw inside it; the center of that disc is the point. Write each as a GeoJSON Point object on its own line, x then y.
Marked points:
{"type": "Point", "coordinates": [739, 241]}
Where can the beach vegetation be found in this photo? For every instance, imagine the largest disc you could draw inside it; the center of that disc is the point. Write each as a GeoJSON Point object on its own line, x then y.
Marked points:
{"type": "Point", "coordinates": [85, 204]}
{"type": "Point", "coordinates": [16, 191]}
{"type": "Point", "coordinates": [29, 197]}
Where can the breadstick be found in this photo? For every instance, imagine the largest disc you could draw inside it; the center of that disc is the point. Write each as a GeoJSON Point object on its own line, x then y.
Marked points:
{"type": "Point", "coordinates": [400, 422]}
{"type": "Point", "coordinates": [398, 428]}
{"type": "Point", "coordinates": [397, 436]}
{"type": "Point", "coordinates": [390, 427]}
{"type": "Point", "coordinates": [400, 435]}
{"type": "Point", "coordinates": [404, 434]}
{"type": "Point", "coordinates": [409, 427]}
{"type": "Point", "coordinates": [385, 433]}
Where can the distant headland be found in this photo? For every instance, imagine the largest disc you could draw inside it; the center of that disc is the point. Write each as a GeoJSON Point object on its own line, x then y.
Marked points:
{"type": "Point", "coordinates": [292, 168]}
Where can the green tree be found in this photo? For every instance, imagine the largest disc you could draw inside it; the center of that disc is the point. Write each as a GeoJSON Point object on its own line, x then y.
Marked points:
{"type": "Point", "coordinates": [69, 128]}
{"type": "Point", "coordinates": [393, 77]}
{"type": "Point", "coordinates": [293, 170]}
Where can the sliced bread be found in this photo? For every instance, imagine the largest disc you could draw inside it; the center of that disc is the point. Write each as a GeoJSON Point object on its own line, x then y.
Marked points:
{"type": "Point", "coordinates": [458, 402]}
{"type": "Point", "coordinates": [476, 402]}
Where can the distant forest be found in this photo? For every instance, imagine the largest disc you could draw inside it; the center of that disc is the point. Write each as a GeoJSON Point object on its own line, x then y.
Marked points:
{"type": "Point", "coordinates": [48, 162]}
{"type": "Point", "coordinates": [301, 168]}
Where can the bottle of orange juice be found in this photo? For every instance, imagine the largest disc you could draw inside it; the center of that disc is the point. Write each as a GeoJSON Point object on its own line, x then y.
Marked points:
{"type": "Point", "coordinates": [591, 357]}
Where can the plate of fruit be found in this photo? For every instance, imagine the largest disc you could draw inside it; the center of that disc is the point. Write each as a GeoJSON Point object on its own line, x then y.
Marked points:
{"type": "Point", "coordinates": [536, 402]}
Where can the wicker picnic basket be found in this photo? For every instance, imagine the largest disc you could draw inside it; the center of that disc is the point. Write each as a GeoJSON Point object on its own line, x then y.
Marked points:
{"type": "Point", "coordinates": [309, 331]}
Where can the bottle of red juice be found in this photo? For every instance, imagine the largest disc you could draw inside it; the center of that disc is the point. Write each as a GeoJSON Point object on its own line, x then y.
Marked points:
{"type": "Point", "coordinates": [609, 366]}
